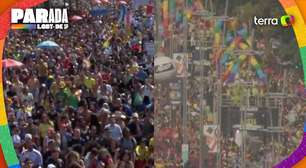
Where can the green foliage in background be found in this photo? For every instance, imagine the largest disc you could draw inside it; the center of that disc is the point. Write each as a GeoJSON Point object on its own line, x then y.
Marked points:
{"type": "Point", "coordinates": [246, 10]}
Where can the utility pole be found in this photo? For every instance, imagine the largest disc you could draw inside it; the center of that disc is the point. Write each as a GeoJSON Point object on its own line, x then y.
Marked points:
{"type": "Point", "coordinates": [218, 96]}
{"type": "Point", "coordinates": [243, 127]}
{"type": "Point", "coordinates": [201, 104]}
{"type": "Point", "coordinates": [184, 82]}
{"type": "Point", "coordinates": [282, 107]}
{"type": "Point", "coordinates": [203, 50]}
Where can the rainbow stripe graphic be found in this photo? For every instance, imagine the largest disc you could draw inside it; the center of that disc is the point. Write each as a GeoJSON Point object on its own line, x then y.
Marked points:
{"type": "Point", "coordinates": [23, 26]}
{"type": "Point", "coordinates": [297, 8]}
{"type": "Point", "coordinates": [8, 157]}
{"type": "Point", "coordinates": [5, 139]}
{"type": "Point", "coordinates": [297, 159]}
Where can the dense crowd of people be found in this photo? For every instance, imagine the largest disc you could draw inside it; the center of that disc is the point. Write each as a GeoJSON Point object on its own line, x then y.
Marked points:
{"type": "Point", "coordinates": [264, 148]}
{"type": "Point", "coordinates": [87, 103]}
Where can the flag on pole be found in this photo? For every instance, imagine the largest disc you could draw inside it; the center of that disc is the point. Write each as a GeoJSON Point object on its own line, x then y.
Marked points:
{"type": "Point", "coordinates": [165, 10]}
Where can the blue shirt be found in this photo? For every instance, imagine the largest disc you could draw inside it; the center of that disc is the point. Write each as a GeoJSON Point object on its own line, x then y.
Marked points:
{"type": "Point", "coordinates": [33, 155]}
{"type": "Point", "coordinates": [115, 131]}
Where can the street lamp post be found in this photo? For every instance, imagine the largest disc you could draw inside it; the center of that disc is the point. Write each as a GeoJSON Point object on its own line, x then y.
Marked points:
{"type": "Point", "coordinates": [219, 96]}
{"type": "Point", "coordinates": [243, 128]}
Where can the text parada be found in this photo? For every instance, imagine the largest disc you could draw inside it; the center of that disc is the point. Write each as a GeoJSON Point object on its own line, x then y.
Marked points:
{"type": "Point", "coordinates": [39, 15]}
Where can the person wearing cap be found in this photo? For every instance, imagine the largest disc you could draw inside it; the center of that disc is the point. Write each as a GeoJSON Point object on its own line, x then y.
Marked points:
{"type": "Point", "coordinates": [114, 128]}
{"type": "Point", "coordinates": [120, 119]}
{"type": "Point", "coordinates": [103, 117]}
{"type": "Point", "coordinates": [105, 106]}
{"type": "Point", "coordinates": [30, 152]}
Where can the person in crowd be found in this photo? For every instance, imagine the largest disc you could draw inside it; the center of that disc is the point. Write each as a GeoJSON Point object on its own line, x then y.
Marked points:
{"type": "Point", "coordinates": [30, 154]}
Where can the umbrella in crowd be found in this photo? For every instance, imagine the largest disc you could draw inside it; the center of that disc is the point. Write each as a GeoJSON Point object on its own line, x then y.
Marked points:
{"type": "Point", "coordinates": [47, 44]}
{"type": "Point", "coordinates": [123, 2]}
{"type": "Point", "coordinates": [96, 1]}
{"type": "Point", "coordinates": [76, 18]}
{"type": "Point", "coordinates": [100, 1]}
{"type": "Point", "coordinates": [106, 1]}
{"type": "Point", "coordinates": [7, 63]}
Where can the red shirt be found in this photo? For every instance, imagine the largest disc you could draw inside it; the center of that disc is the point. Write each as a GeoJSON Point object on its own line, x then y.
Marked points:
{"type": "Point", "coordinates": [149, 9]}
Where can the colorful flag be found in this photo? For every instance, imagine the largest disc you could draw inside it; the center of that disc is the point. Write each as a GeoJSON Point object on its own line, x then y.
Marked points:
{"type": "Point", "coordinates": [165, 9]}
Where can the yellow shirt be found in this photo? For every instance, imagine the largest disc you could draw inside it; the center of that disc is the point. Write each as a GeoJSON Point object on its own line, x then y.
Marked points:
{"type": "Point", "coordinates": [42, 69]}
{"type": "Point", "coordinates": [133, 69]}
{"type": "Point", "coordinates": [159, 165]}
{"type": "Point", "coordinates": [43, 128]}
{"type": "Point", "coordinates": [54, 89]}
{"type": "Point", "coordinates": [89, 82]}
